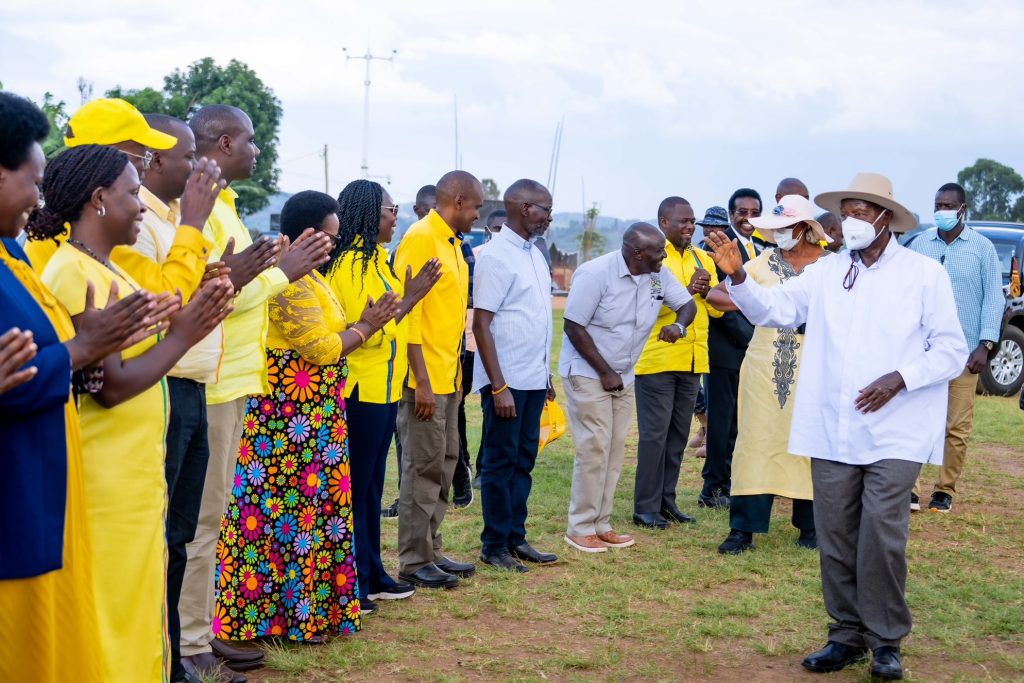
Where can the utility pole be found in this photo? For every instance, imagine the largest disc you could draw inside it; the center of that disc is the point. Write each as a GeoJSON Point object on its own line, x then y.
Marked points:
{"type": "Point", "coordinates": [368, 57]}
{"type": "Point", "coordinates": [327, 177]}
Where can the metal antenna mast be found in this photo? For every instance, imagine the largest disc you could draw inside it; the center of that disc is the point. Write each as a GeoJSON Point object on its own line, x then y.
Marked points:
{"type": "Point", "coordinates": [368, 57]}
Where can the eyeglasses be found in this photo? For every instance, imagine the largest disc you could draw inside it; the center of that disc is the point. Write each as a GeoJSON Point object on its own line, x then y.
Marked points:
{"type": "Point", "coordinates": [747, 213]}
{"type": "Point", "coordinates": [147, 158]}
{"type": "Point", "coordinates": [852, 272]}
{"type": "Point", "coordinates": [545, 209]}
{"type": "Point", "coordinates": [392, 209]}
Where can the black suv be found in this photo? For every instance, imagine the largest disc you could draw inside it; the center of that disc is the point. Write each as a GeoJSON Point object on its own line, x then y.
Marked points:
{"type": "Point", "coordinates": [1004, 374]}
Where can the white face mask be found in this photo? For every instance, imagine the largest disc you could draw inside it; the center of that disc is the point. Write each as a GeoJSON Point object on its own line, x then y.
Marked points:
{"type": "Point", "coordinates": [784, 238]}
{"type": "Point", "coordinates": [858, 234]}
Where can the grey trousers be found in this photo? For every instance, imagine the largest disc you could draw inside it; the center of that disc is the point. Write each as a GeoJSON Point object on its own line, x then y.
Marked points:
{"type": "Point", "coordinates": [664, 411]}
{"type": "Point", "coordinates": [600, 422]}
{"type": "Point", "coordinates": [862, 515]}
{"type": "Point", "coordinates": [430, 451]}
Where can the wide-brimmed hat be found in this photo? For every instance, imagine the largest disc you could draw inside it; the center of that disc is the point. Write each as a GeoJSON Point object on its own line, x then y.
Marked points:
{"type": "Point", "coordinates": [790, 210]}
{"type": "Point", "coordinates": [716, 216]}
{"type": "Point", "coordinates": [874, 188]}
{"type": "Point", "coordinates": [109, 121]}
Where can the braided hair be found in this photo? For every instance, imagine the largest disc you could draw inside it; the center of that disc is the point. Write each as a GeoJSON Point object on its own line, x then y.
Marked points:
{"type": "Point", "coordinates": [68, 184]}
{"type": "Point", "coordinates": [359, 215]}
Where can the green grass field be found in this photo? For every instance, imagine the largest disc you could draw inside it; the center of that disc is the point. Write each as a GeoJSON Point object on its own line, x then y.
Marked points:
{"type": "Point", "coordinates": [672, 609]}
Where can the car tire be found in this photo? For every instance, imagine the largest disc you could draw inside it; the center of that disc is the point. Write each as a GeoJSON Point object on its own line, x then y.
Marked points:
{"type": "Point", "coordinates": [1004, 374]}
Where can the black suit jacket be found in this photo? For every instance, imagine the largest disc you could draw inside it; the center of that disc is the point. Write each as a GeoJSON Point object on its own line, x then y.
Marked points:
{"type": "Point", "coordinates": [729, 335]}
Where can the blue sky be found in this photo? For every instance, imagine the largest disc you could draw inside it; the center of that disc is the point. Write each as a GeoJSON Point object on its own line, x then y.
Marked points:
{"type": "Point", "coordinates": [659, 98]}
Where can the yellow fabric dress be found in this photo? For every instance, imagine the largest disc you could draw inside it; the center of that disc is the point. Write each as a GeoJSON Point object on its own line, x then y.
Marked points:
{"type": "Point", "coordinates": [761, 462]}
{"type": "Point", "coordinates": [126, 493]}
{"type": "Point", "coordinates": [48, 623]}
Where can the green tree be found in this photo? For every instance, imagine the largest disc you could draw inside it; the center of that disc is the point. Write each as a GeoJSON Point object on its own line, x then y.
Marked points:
{"type": "Point", "coordinates": [204, 82]}
{"type": "Point", "coordinates": [994, 192]}
{"type": "Point", "coordinates": [56, 113]}
{"type": "Point", "coordinates": [491, 190]}
{"type": "Point", "coordinates": [591, 241]}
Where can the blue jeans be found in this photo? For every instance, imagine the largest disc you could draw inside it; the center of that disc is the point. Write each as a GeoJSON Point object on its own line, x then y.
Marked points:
{"type": "Point", "coordinates": [370, 429]}
{"type": "Point", "coordinates": [510, 452]}
{"type": "Point", "coordinates": [188, 451]}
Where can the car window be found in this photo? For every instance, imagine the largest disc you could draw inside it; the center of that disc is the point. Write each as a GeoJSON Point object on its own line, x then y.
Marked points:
{"type": "Point", "coordinates": [1005, 248]}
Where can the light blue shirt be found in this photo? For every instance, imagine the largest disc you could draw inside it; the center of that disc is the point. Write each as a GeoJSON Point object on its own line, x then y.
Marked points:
{"type": "Point", "coordinates": [512, 280]}
{"type": "Point", "coordinates": [976, 274]}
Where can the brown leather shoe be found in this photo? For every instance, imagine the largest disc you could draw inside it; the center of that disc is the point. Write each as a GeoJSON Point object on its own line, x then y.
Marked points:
{"type": "Point", "coordinates": [236, 657]}
{"type": "Point", "coordinates": [587, 544]}
{"type": "Point", "coordinates": [206, 667]}
{"type": "Point", "coordinates": [614, 540]}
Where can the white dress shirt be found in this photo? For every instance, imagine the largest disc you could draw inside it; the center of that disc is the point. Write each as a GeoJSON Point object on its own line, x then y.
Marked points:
{"type": "Point", "coordinates": [511, 280]}
{"type": "Point", "coordinates": [618, 310]}
{"type": "Point", "coordinates": [900, 316]}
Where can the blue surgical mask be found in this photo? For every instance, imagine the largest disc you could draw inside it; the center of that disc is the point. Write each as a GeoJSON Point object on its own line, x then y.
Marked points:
{"type": "Point", "coordinates": [947, 220]}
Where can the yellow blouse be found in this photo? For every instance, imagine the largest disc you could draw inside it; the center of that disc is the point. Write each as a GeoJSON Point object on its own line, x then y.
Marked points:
{"type": "Point", "coordinates": [379, 366]}
{"type": "Point", "coordinates": [307, 318]}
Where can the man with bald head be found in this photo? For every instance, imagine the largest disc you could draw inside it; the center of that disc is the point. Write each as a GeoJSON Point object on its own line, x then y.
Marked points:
{"type": "Point", "coordinates": [512, 326]}
{"type": "Point", "coordinates": [428, 409]}
{"type": "Point", "coordinates": [259, 271]}
{"type": "Point", "coordinates": [833, 228]}
{"type": "Point", "coordinates": [613, 304]}
{"type": "Point", "coordinates": [791, 186]}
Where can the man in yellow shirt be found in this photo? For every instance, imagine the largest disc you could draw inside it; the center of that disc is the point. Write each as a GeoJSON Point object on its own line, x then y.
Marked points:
{"type": "Point", "coordinates": [225, 134]}
{"type": "Point", "coordinates": [117, 123]}
{"type": "Point", "coordinates": [668, 375]}
{"type": "Point", "coordinates": [428, 410]}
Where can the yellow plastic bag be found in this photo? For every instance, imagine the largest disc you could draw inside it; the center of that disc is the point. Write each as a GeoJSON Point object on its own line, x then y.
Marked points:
{"type": "Point", "coordinates": [552, 424]}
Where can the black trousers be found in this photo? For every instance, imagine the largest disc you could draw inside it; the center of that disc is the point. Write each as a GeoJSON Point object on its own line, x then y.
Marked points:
{"type": "Point", "coordinates": [723, 387]}
{"type": "Point", "coordinates": [664, 411]}
{"type": "Point", "coordinates": [467, 386]}
{"type": "Point", "coordinates": [188, 451]}
{"type": "Point", "coordinates": [753, 513]}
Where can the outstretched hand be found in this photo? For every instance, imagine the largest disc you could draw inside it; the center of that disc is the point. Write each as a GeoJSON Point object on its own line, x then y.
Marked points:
{"type": "Point", "coordinates": [725, 252]}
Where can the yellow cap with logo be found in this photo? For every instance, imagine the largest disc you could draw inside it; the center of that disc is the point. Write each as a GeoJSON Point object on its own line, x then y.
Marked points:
{"type": "Point", "coordinates": [109, 121]}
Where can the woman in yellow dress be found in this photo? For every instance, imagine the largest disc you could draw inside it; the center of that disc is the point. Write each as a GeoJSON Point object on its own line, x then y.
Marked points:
{"type": "Point", "coordinates": [762, 466]}
{"type": "Point", "coordinates": [123, 417]}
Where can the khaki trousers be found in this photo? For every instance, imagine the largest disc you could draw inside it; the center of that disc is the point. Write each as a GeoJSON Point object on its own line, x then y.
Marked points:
{"type": "Point", "coordinates": [195, 607]}
{"type": "Point", "coordinates": [430, 451]}
{"type": "Point", "coordinates": [959, 423]}
{"type": "Point", "coordinates": [600, 421]}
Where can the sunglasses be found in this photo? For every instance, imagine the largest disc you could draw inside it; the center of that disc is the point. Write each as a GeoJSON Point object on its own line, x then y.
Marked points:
{"type": "Point", "coordinates": [147, 158]}
{"type": "Point", "coordinates": [392, 209]}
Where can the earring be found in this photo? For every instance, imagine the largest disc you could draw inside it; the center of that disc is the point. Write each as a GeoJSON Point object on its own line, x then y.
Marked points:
{"type": "Point", "coordinates": [102, 211]}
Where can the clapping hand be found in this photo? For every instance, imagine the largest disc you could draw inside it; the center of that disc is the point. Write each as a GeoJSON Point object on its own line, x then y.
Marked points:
{"type": "Point", "coordinates": [244, 266]}
{"type": "Point", "coordinates": [417, 287]}
{"type": "Point", "coordinates": [207, 308]}
{"type": "Point", "coordinates": [700, 283]}
{"type": "Point", "coordinates": [201, 190]}
{"type": "Point", "coordinates": [311, 250]}
{"type": "Point", "coordinates": [378, 313]}
{"type": "Point", "coordinates": [16, 349]}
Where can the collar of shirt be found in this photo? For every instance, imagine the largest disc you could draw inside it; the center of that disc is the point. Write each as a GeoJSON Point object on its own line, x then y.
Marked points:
{"type": "Point", "coordinates": [168, 213]}
{"type": "Point", "coordinates": [509, 235]}
{"type": "Point", "coordinates": [741, 238]}
{"type": "Point", "coordinates": [888, 253]}
{"type": "Point", "coordinates": [441, 228]}
{"type": "Point", "coordinates": [623, 269]}
{"type": "Point", "coordinates": [228, 196]}
{"type": "Point", "coordinates": [962, 236]}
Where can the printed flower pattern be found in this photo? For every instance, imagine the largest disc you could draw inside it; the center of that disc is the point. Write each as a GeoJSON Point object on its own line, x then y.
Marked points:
{"type": "Point", "coordinates": [286, 559]}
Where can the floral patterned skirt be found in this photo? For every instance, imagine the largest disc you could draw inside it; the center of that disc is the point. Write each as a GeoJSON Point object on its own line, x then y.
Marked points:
{"type": "Point", "coordinates": [286, 553]}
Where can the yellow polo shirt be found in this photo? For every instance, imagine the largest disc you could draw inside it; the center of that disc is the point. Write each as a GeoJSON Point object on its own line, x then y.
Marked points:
{"type": "Point", "coordinates": [243, 369]}
{"type": "Point", "coordinates": [182, 270]}
{"type": "Point", "coordinates": [379, 366]}
{"type": "Point", "coordinates": [438, 323]}
{"type": "Point", "coordinates": [689, 354]}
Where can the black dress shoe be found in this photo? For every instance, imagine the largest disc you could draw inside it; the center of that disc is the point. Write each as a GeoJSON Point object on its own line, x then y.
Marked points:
{"type": "Point", "coordinates": [206, 667]}
{"type": "Point", "coordinates": [525, 551]}
{"type": "Point", "coordinates": [808, 539]}
{"type": "Point", "coordinates": [650, 520]}
{"type": "Point", "coordinates": [833, 657]}
{"type": "Point", "coordinates": [503, 560]}
{"type": "Point", "coordinates": [461, 569]}
{"type": "Point", "coordinates": [674, 514]}
{"type": "Point", "coordinates": [737, 542]}
{"type": "Point", "coordinates": [887, 664]}
{"type": "Point", "coordinates": [430, 576]}
{"type": "Point", "coordinates": [234, 655]}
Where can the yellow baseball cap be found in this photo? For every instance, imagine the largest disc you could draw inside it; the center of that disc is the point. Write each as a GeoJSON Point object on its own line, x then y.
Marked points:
{"type": "Point", "coordinates": [109, 121]}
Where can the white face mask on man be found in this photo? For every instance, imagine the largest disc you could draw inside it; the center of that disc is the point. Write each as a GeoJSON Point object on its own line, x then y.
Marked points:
{"type": "Point", "coordinates": [858, 234]}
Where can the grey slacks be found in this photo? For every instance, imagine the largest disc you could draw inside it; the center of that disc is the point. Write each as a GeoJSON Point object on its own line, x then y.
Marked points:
{"type": "Point", "coordinates": [664, 412]}
{"type": "Point", "coordinates": [430, 451]}
{"type": "Point", "coordinates": [862, 515]}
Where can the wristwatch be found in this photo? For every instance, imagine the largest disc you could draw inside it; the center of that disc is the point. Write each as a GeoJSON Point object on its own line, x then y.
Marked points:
{"type": "Point", "coordinates": [988, 345]}
{"type": "Point", "coordinates": [682, 329]}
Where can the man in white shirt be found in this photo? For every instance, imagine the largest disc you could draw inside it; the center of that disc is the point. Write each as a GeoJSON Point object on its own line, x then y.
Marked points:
{"type": "Point", "coordinates": [187, 429]}
{"type": "Point", "coordinates": [512, 371]}
{"type": "Point", "coordinates": [612, 306]}
{"type": "Point", "coordinates": [883, 340]}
